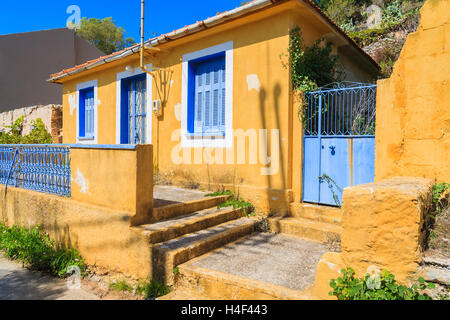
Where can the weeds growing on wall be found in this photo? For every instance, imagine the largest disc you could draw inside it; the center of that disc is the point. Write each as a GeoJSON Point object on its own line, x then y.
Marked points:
{"type": "Point", "coordinates": [38, 251]}
{"type": "Point", "coordinates": [234, 201]}
{"type": "Point", "coordinates": [37, 135]}
{"type": "Point", "coordinates": [437, 223]}
{"type": "Point", "coordinates": [310, 67]}
{"type": "Point", "coordinates": [385, 287]}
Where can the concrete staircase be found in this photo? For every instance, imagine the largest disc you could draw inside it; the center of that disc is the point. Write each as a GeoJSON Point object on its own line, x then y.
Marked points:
{"type": "Point", "coordinates": [183, 231]}
{"type": "Point", "coordinates": [310, 222]}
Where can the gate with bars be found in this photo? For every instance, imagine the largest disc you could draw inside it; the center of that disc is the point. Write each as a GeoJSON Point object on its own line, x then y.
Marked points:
{"type": "Point", "coordinates": [338, 140]}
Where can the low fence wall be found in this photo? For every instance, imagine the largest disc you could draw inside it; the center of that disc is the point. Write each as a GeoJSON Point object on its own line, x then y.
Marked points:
{"type": "Point", "coordinates": [115, 177]}
{"type": "Point", "coordinates": [110, 188]}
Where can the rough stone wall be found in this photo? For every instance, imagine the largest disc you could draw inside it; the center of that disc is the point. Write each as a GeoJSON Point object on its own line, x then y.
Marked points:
{"type": "Point", "coordinates": [50, 114]}
{"type": "Point", "coordinates": [382, 227]}
{"type": "Point", "coordinates": [413, 106]}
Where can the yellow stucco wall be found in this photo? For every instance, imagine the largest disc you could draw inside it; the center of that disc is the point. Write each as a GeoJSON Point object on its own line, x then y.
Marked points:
{"type": "Point", "coordinates": [103, 236]}
{"type": "Point", "coordinates": [119, 179]}
{"type": "Point", "coordinates": [413, 106]}
{"type": "Point", "coordinates": [258, 40]}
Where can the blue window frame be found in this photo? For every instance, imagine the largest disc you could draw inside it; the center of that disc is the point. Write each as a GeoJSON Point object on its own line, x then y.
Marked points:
{"type": "Point", "coordinates": [87, 114]}
{"type": "Point", "coordinates": [206, 101]}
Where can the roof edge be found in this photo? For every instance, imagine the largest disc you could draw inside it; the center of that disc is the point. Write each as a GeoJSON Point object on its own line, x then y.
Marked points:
{"type": "Point", "coordinates": [199, 26]}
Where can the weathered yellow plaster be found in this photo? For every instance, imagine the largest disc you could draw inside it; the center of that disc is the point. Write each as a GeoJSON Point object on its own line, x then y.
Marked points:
{"type": "Point", "coordinates": [413, 106]}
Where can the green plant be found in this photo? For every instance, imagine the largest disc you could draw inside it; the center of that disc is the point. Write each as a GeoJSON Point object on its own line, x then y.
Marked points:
{"type": "Point", "coordinates": [310, 67]}
{"type": "Point", "coordinates": [176, 271]}
{"type": "Point", "coordinates": [349, 287]}
{"type": "Point", "coordinates": [38, 251]}
{"type": "Point", "coordinates": [234, 201]}
{"type": "Point", "coordinates": [152, 289]}
{"type": "Point", "coordinates": [331, 184]}
{"type": "Point", "coordinates": [37, 135]}
{"type": "Point", "coordinates": [440, 191]}
{"type": "Point", "coordinates": [120, 285]}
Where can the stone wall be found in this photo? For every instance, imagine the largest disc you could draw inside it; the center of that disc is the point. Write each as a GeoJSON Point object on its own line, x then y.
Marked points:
{"type": "Point", "coordinates": [413, 106]}
{"type": "Point", "coordinates": [50, 114]}
{"type": "Point", "coordinates": [383, 227]}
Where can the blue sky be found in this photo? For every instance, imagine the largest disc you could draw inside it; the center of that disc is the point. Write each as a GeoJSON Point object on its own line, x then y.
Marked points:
{"type": "Point", "coordinates": [162, 16]}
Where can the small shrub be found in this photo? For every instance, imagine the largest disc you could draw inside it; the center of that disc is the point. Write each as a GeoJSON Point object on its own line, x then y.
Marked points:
{"type": "Point", "coordinates": [234, 201]}
{"type": "Point", "coordinates": [152, 289]}
{"type": "Point", "coordinates": [348, 287]}
{"type": "Point", "coordinates": [38, 134]}
{"type": "Point", "coordinates": [38, 251]}
{"type": "Point", "coordinates": [121, 285]}
{"type": "Point", "coordinates": [441, 192]}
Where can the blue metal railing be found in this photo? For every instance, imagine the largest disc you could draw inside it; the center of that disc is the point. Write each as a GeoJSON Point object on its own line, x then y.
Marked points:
{"type": "Point", "coordinates": [43, 168]}
{"type": "Point", "coordinates": [341, 109]}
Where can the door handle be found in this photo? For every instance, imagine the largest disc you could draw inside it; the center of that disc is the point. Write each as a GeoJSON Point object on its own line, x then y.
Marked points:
{"type": "Point", "coordinates": [333, 150]}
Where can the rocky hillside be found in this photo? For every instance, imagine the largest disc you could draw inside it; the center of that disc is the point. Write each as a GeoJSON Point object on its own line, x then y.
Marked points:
{"type": "Point", "coordinates": [380, 27]}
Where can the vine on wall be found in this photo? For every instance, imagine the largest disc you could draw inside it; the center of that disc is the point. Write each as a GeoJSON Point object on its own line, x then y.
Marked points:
{"type": "Point", "coordinates": [311, 67]}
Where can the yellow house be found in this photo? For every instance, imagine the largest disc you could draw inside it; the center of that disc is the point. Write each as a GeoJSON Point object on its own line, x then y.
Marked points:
{"type": "Point", "coordinates": [219, 108]}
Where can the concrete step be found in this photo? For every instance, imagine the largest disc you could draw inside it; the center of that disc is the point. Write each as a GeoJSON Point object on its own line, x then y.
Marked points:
{"type": "Point", "coordinates": [183, 208]}
{"type": "Point", "coordinates": [316, 212]}
{"type": "Point", "coordinates": [193, 222]}
{"type": "Point", "coordinates": [184, 294]}
{"type": "Point", "coordinates": [195, 283]}
{"type": "Point", "coordinates": [259, 266]}
{"type": "Point", "coordinates": [307, 229]}
{"type": "Point", "coordinates": [168, 255]}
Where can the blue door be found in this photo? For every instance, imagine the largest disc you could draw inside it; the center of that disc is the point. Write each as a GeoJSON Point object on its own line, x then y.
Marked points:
{"type": "Point", "coordinates": [133, 124]}
{"type": "Point", "coordinates": [339, 141]}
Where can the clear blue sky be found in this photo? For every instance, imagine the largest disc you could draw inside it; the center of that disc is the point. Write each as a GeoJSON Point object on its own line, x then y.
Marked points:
{"type": "Point", "coordinates": [162, 16]}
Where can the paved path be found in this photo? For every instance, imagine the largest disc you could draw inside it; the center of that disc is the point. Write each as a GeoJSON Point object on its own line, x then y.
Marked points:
{"type": "Point", "coordinates": [17, 283]}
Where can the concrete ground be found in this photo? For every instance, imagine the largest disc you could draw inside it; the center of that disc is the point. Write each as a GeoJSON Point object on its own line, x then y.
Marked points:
{"type": "Point", "coordinates": [167, 195]}
{"type": "Point", "coordinates": [17, 283]}
{"type": "Point", "coordinates": [267, 257]}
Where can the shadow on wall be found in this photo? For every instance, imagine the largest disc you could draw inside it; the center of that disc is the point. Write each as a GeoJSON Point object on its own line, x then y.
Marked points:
{"type": "Point", "coordinates": [274, 203]}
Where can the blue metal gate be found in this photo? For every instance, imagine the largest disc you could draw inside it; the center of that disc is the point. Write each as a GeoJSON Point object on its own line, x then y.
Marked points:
{"type": "Point", "coordinates": [338, 141]}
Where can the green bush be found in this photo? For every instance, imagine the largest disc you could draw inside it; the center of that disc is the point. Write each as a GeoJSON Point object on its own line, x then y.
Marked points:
{"type": "Point", "coordinates": [121, 285]}
{"type": "Point", "coordinates": [37, 135]}
{"type": "Point", "coordinates": [234, 201]}
{"type": "Point", "coordinates": [348, 287]}
{"type": "Point", "coordinates": [152, 289]}
{"type": "Point", "coordinates": [38, 251]}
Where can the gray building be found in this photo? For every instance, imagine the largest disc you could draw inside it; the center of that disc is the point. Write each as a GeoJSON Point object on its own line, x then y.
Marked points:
{"type": "Point", "coordinates": [27, 60]}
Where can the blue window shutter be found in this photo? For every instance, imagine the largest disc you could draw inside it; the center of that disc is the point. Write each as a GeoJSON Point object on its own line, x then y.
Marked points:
{"type": "Point", "coordinates": [81, 115]}
{"type": "Point", "coordinates": [209, 106]}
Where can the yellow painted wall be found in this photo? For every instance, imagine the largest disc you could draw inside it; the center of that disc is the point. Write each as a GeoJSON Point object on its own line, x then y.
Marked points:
{"type": "Point", "coordinates": [103, 236]}
{"type": "Point", "coordinates": [413, 105]}
{"type": "Point", "coordinates": [259, 40]}
{"type": "Point", "coordinates": [118, 179]}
